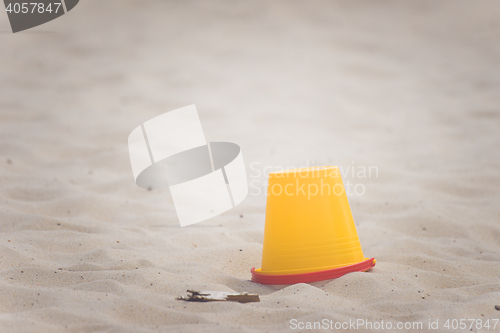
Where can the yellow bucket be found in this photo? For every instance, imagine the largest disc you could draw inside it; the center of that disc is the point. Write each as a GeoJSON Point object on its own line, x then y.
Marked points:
{"type": "Point", "coordinates": [309, 233]}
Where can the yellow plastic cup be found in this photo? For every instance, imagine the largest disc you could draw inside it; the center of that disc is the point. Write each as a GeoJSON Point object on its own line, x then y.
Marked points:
{"type": "Point", "coordinates": [309, 233]}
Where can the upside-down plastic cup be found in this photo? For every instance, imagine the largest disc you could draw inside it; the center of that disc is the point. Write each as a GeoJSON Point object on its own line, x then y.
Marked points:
{"type": "Point", "coordinates": [309, 233]}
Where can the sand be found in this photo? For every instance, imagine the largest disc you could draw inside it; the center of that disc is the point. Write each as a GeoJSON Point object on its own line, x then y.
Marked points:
{"type": "Point", "coordinates": [411, 88]}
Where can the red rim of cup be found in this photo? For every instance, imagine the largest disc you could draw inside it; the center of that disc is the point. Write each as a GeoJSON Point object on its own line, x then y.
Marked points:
{"type": "Point", "coordinates": [314, 276]}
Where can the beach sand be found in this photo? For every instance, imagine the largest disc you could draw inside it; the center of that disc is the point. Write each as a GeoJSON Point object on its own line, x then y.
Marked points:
{"type": "Point", "coordinates": [411, 89]}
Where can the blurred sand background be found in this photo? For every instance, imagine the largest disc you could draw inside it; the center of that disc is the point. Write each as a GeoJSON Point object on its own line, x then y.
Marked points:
{"type": "Point", "coordinates": [411, 87]}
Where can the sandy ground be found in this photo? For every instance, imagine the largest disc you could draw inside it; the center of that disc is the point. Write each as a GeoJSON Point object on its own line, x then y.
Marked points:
{"type": "Point", "coordinates": [412, 88]}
